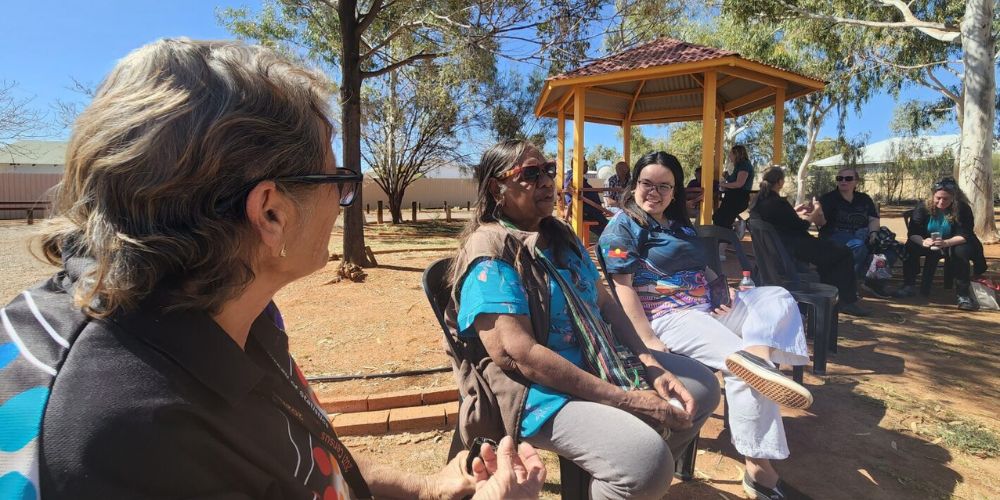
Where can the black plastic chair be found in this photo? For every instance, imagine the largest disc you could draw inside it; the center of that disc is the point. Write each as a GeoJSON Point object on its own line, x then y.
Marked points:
{"type": "Point", "coordinates": [575, 481]}
{"type": "Point", "coordinates": [724, 235]}
{"type": "Point", "coordinates": [776, 267]}
{"type": "Point", "coordinates": [684, 464]}
{"type": "Point", "coordinates": [929, 266]}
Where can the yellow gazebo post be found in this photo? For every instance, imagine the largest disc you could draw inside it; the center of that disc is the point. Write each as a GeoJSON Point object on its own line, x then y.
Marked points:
{"type": "Point", "coordinates": [560, 160]}
{"type": "Point", "coordinates": [708, 118]}
{"type": "Point", "coordinates": [779, 125]}
{"type": "Point", "coordinates": [579, 97]}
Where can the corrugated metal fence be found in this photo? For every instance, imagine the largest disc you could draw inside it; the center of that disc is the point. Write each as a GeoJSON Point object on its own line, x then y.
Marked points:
{"type": "Point", "coordinates": [25, 188]}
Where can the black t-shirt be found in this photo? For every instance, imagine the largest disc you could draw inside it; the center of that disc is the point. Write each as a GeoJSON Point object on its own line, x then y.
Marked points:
{"type": "Point", "coordinates": [779, 213]}
{"type": "Point", "coordinates": [847, 216]}
{"type": "Point", "coordinates": [166, 405]}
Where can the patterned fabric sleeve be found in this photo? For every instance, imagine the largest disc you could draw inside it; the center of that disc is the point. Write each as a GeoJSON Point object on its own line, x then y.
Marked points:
{"type": "Point", "coordinates": [618, 245]}
{"type": "Point", "coordinates": [490, 287]}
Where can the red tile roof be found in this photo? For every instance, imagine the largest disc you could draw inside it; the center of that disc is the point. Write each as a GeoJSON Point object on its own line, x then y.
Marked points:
{"type": "Point", "coordinates": [659, 52]}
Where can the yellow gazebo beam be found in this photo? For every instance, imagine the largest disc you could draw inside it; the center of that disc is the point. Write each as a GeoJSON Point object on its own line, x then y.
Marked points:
{"type": "Point", "coordinates": [752, 97]}
{"type": "Point", "coordinates": [708, 122]}
{"type": "Point", "coordinates": [666, 113]}
{"type": "Point", "coordinates": [608, 92]}
{"type": "Point", "coordinates": [669, 93]}
{"type": "Point", "coordinates": [627, 125]}
{"type": "Point", "coordinates": [754, 76]}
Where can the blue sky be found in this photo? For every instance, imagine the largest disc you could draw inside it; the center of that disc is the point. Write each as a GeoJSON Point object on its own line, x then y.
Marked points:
{"type": "Point", "coordinates": [47, 43]}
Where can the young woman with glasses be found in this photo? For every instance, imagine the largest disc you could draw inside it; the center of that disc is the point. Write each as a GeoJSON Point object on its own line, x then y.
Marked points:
{"type": "Point", "coordinates": [657, 264]}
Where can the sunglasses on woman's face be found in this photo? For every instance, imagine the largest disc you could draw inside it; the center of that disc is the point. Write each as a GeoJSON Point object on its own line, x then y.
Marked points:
{"type": "Point", "coordinates": [844, 178]}
{"type": "Point", "coordinates": [531, 173]}
{"type": "Point", "coordinates": [347, 182]}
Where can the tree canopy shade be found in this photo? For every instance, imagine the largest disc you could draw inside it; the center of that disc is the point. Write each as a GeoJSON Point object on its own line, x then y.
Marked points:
{"type": "Point", "coordinates": [914, 39]}
{"type": "Point", "coordinates": [357, 38]}
{"type": "Point", "coordinates": [663, 81]}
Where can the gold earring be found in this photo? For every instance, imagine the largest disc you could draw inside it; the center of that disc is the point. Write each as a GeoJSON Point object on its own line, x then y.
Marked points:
{"type": "Point", "coordinates": [282, 253]}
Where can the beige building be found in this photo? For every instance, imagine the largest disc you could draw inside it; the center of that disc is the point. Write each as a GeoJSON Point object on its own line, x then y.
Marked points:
{"type": "Point", "coordinates": [28, 172]}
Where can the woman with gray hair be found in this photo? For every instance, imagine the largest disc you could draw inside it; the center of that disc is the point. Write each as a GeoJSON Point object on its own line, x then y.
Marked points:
{"type": "Point", "coordinates": [198, 183]}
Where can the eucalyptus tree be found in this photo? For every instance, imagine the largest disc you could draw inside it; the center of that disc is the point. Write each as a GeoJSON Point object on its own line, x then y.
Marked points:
{"type": "Point", "coordinates": [355, 38]}
{"type": "Point", "coordinates": [924, 39]}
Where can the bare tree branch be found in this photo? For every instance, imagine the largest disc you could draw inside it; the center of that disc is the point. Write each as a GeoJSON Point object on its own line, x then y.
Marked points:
{"type": "Point", "coordinates": [400, 63]}
{"type": "Point", "coordinates": [937, 31]}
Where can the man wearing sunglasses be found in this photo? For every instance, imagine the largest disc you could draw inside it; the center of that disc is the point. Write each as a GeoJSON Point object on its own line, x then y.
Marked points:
{"type": "Point", "coordinates": [850, 217]}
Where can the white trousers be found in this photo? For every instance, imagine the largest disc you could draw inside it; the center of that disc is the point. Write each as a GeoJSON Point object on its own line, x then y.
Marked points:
{"type": "Point", "coordinates": [765, 316]}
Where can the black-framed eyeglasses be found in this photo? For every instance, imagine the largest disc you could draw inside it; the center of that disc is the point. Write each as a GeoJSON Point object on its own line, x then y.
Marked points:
{"type": "Point", "coordinates": [347, 182]}
{"type": "Point", "coordinates": [844, 178]}
{"type": "Point", "coordinates": [531, 173]}
{"type": "Point", "coordinates": [661, 189]}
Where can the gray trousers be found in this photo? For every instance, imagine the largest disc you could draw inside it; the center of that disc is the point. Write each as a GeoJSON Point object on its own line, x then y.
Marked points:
{"type": "Point", "coordinates": [625, 457]}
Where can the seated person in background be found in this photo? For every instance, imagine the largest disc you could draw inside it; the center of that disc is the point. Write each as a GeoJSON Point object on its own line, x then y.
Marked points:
{"type": "Point", "coordinates": [200, 181]}
{"type": "Point", "coordinates": [850, 217]}
{"type": "Point", "coordinates": [834, 261]}
{"type": "Point", "coordinates": [663, 285]}
{"type": "Point", "coordinates": [591, 213]}
{"type": "Point", "coordinates": [617, 182]}
{"type": "Point", "coordinates": [940, 226]}
{"type": "Point", "coordinates": [525, 310]}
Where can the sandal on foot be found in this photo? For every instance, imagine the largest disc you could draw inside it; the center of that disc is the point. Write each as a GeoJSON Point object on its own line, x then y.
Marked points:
{"type": "Point", "coordinates": [768, 380]}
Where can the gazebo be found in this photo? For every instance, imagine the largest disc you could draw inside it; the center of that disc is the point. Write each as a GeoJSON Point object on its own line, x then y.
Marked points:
{"type": "Point", "coordinates": [665, 81]}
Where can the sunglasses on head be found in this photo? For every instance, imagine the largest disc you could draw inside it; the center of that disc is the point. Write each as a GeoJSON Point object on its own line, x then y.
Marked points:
{"type": "Point", "coordinates": [847, 178]}
{"type": "Point", "coordinates": [531, 173]}
{"type": "Point", "coordinates": [947, 185]}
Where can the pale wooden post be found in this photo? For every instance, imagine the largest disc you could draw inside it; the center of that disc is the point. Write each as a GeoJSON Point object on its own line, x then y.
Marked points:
{"type": "Point", "coordinates": [779, 125]}
{"type": "Point", "coordinates": [579, 105]}
{"type": "Point", "coordinates": [708, 122]}
{"type": "Point", "coordinates": [627, 142]}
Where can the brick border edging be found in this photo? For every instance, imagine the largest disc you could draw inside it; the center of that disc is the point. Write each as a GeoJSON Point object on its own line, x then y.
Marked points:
{"type": "Point", "coordinates": [399, 411]}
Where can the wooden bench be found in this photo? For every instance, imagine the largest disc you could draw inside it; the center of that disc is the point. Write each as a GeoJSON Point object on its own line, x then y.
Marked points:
{"type": "Point", "coordinates": [28, 206]}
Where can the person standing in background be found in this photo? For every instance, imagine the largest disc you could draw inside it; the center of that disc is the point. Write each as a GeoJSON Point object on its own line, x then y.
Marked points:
{"type": "Point", "coordinates": [737, 187]}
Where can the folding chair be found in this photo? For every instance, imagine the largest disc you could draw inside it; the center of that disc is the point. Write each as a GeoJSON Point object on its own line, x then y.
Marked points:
{"type": "Point", "coordinates": [575, 481]}
{"type": "Point", "coordinates": [684, 464]}
{"type": "Point", "coordinates": [776, 267]}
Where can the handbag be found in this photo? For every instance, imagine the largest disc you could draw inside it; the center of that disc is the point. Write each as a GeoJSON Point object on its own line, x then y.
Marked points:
{"type": "Point", "coordinates": [603, 354]}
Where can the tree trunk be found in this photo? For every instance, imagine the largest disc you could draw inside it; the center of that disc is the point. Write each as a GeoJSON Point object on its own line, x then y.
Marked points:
{"type": "Point", "coordinates": [979, 82]}
{"type": "Point", "coordinates": [812, 131]}
{"type": "Point", "coordinates": [396, 207]}
{"type": "Point", "coordinates": [350, 105]}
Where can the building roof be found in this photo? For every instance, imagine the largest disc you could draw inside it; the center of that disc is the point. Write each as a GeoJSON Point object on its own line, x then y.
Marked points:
{"type": "Point", "coordinates": [34, 153]}
{"type": "Point", "coordinates": [886, 151]}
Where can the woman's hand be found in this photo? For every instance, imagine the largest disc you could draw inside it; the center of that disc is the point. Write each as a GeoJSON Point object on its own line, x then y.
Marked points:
{"type": "Point", "coordinates": [669, 386]}
{"type": "Point", "coordinates": [927, 243]}
{"type": "Point", "coordinates": [722, 310]}
{"type": "Point", "coordinates": [504, 473]}
{"type": "Point", "coordinates": [451, 482]}
{"type": "Point", "coordinates": [656, 411]}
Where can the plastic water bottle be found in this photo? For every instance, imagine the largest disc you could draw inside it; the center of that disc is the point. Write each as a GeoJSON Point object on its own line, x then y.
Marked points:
{"type": "Point", "coordinates": [746, 284]}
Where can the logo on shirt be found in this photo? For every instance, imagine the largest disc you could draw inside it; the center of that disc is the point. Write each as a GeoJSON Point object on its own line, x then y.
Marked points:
{"type": "Point", "coordinates": [617, 253]}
